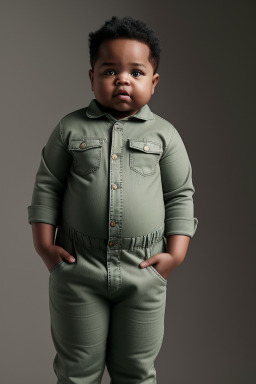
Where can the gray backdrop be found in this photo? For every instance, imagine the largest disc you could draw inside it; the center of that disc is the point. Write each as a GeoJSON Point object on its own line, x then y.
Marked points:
{"type": "Point", "coordinates": [206, 89]}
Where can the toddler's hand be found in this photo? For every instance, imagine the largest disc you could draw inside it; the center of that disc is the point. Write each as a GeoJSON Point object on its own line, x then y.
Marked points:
{"type": "Point", "coordinates": [54, 254]}
{"type": "Point", "coordinates": [163, 262]}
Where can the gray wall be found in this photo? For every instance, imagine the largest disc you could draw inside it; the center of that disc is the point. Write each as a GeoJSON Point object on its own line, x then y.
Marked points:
{"type": "Point", "coordinates": [206, 89]}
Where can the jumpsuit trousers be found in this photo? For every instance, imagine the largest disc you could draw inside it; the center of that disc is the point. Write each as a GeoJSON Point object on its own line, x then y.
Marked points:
{"type": "Point", "coordinates": [105, 310]}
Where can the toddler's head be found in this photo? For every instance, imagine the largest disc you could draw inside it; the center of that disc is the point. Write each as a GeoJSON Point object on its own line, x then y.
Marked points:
{"type": "Point", "coordinates": [124, 57]}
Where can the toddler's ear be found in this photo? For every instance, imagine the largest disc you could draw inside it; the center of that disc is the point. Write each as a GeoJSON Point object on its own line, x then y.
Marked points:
{"type": "Point", "coordinates": [155, 81]}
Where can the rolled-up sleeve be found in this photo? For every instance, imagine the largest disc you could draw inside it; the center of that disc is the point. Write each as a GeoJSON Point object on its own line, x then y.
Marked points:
{"type": "Point", "coordinates": [178, 188]}
{"type": "Point", "coordinates": [51, 180]}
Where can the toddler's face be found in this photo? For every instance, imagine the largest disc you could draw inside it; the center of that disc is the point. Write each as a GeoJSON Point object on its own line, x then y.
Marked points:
{"type": "Point", "coordinates": [115, 70]}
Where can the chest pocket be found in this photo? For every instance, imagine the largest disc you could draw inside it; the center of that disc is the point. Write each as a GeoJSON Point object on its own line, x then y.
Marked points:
{"type": "Point", "coordinates": [87, 154]}
{"type": "Point", "coordinates": [144, 156]}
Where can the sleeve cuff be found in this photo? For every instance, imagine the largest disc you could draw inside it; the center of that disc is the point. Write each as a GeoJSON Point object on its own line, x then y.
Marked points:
{"type": "Point", "coordinates": [181, 226]}
{"type": "Point", "coordinates": [40, 213]}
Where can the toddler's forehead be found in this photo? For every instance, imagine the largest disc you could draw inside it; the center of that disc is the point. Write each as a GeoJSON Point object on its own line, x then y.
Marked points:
{"type": "Point", "coordinates": [112, 47]}
{"type": "Point", "coordinates": [122, 52]}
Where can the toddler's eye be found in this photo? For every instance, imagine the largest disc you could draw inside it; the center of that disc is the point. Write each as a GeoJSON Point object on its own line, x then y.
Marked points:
{"type": "Point", "coordinates": [137, 72]}
{"type": "Point", "coordinates": [109, 71]}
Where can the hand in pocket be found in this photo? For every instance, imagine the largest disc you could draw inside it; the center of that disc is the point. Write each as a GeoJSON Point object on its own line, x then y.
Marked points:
{"type": "Point", "coordinates": [163, 263]}
{"type": "Point", "coordinates": [54, 254]}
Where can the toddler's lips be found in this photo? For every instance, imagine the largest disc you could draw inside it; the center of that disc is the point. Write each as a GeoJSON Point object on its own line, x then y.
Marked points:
{"type": "Point", "coordinates": [122, 96]}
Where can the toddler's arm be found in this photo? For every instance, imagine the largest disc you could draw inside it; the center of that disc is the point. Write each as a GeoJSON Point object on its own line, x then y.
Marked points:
{"type": "Point", "coordinates": [45, 208]}
{"type": "Point", "coordinates": [178, 189]}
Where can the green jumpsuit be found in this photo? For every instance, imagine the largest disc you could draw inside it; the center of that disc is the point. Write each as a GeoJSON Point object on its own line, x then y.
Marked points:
{"type": "Point", "coordinates": [115, 190]}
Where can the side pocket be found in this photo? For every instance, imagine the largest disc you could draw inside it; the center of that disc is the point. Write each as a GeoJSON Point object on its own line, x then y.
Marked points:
{"type": "Point", "coordinates": [158, 274]}
{"type": "Point", "coordinates": [156, 248]}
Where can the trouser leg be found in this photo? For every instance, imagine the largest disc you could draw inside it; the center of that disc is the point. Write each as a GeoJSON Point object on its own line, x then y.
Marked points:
{"type": "Point", "coordinates": [79, 313]}
{"type": "Point", "coordinates": [137, 320]}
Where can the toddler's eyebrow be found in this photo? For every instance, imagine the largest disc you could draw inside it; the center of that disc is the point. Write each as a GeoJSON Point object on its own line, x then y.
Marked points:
{"type": "Point", "coordinates": [134, 64]}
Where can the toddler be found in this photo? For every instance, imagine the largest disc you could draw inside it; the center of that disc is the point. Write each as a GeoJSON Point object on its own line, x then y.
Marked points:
{"type": "Point", "coordinates": [115, 181]}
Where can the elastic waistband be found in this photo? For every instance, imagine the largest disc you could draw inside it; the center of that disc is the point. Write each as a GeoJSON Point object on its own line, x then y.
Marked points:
{"type": "Point", "coordinates": [129, 243]}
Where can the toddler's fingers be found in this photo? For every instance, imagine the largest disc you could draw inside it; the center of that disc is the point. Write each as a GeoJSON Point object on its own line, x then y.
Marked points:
{"type": "Point", "coordinates": [150, 261]}
{"type": "Point", "coordinates": [65, 255]}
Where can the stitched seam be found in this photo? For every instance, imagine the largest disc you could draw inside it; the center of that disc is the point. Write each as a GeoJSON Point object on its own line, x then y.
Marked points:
{"type": "Point", "coordinates": [135, 169]}
{"type": "Point", "coordinates": [78, 138]}
{"type": "Point", "coordinates": [179, 218]}
{"type": "Point", "coordinates": [159, 145]}
{"type": "Point", "coordinates": [178, 233]}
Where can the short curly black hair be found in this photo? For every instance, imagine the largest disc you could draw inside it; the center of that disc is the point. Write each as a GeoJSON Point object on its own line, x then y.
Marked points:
{"type": "Point", "coordinates": [126, 27]}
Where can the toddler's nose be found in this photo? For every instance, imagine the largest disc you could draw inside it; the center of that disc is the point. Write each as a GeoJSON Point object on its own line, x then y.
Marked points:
{"type": "Point", "coordinates": [122, 79]}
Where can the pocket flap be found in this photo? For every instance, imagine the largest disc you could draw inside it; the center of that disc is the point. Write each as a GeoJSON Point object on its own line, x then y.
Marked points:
{"type": "Point", "coordinates": [84, 144]}
{"type": "Point", "coordinates": [146, 146]}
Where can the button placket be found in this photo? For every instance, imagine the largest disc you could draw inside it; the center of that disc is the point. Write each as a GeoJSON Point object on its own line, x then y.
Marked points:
{"type": "Point", "coordinates": [115, 210]}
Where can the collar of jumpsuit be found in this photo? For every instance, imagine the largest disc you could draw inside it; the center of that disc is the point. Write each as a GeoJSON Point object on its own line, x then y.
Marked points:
{"type": "Point", "coordinates": [94, 110]}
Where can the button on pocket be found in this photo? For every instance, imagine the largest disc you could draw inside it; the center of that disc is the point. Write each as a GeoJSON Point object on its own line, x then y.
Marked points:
{"type": "Point", "coordinates": [87, 153]}
{"type": "Point", "coordinates": [144, 156]}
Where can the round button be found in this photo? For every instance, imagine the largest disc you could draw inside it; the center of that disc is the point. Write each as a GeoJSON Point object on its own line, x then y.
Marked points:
{"type": "Point", "coordinates": [114, 156]}
{"type": "Point", "coordinates": [83, 145]}
{"type": "Point", "coordinates": [111, 243]}
{"type": "Point", "coordinates": [146, 147]}
{"type": "Point", "coordinates": [112, 223]}
{"type": "Point", "coordinates": [114, 186]}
